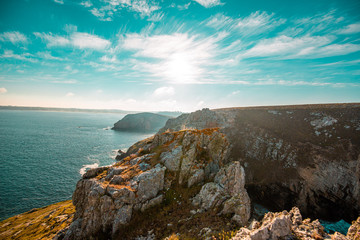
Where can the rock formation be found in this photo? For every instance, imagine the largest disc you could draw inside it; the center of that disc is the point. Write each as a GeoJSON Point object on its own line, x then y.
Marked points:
{"type": "Point", "coordinates": [141, 122]}
{"type": "Point", "coordinates": [305, 156]}
{"type": "Point", "coordinates": [290, 225]}
{"type": "Point", "coordinates": [312, 152]}
{"type": "Point", "coordinates": [107, 197]}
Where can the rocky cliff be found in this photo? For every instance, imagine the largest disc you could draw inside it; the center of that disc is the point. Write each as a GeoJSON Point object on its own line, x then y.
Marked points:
{"type": "Point", "coordinates": [159, 171]}
{"type": "Point", "coordinates": [306, 156]}
{"type": "Point", "coordinates": [141, 122]}
{"type": "Point", "coordinates": [197, 175]}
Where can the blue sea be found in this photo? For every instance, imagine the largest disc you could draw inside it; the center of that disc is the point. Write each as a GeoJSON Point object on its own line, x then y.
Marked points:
{"type": "Point", "coordinates": [43, 154]}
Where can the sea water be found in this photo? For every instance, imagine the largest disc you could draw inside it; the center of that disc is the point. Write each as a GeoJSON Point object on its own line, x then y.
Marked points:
{"type": "Point", "coordinates": [43, 154]}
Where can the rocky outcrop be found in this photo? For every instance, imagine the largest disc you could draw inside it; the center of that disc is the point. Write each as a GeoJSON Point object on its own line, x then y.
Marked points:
{"type": "Point", "coordinates": [227, 190]}
{"type": "Point", "coordinates": [306, 156]}
{"type": "Point", "coordinates": [107, 197]}
{"type": "Point", "coordinates": [290, 225]}
{"type": "Point", "coordinates": [354, 230]}
{"type": "Point", "coordinates": [141, 122]}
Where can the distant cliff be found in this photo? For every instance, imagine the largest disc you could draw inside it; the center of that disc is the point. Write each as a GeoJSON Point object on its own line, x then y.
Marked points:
{"type": "Point", "coordinates": [141, 122]}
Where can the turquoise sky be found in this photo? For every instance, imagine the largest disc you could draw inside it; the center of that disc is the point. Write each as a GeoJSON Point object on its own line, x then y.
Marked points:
{"type": "Point", "coordinates": [178, 55]}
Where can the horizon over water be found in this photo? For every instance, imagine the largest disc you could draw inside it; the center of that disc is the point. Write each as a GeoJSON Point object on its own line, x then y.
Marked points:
{"type": "Point", "coordinates": [43, 154]}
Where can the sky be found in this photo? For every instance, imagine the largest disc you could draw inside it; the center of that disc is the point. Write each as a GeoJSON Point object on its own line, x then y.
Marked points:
{"type": "Point", "coordinates": [181, 55]}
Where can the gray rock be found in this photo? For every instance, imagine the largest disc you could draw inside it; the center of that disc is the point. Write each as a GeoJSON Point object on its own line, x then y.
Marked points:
{"type": "Point", "coordinates": [93, 172]}
{"type": "Point", "coordinates": [152, 202]}
{"type": "Point", "coordinates": [172, 159]}
{"type": "Point", "coordinates": [211, 195]}
{"type": "Point", "coordinates": [150, 183]}
{"type": "Point", "coordinates": [197, 177]}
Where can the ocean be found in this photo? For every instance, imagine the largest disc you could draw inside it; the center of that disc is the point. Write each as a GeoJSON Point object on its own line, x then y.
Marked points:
{"type": "Point", "coordinates": [43, 154]}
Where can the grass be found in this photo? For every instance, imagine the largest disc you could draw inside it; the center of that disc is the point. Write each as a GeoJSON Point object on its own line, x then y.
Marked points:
{"type": "Point", "coordinates": [41, 223]}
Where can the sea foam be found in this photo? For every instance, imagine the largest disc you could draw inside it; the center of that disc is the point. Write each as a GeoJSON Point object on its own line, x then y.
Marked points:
{"type": "Point", "coordinates": [86, 167]}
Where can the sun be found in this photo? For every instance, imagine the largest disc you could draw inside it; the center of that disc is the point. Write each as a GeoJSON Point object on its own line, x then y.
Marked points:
{"type": "Point", "coordinates": [180, 68]}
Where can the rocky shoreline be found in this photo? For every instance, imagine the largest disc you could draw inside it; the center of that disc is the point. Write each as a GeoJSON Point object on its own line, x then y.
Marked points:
{"type": "Point", "coordinates": [199, 176]}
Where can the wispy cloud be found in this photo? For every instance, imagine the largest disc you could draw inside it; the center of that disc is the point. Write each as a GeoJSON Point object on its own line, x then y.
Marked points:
{"type": "Point", "coordinates": [107, 9]}
{"type": "Point", "coordinates": [76, 39]}
{"type": "Point", "coordinates": [284, 47]}
{"type": "Point", "coordinates": [322, 23]}
{"type": "Point", "coordinates": [13, 37]}
{"type": "Point", "coordinates": [209, 3]}
{"type": "Point", "coordinates": [48, 56]}
{"type": "Point", "coordinates": [164, 92]}
{"type": "Point", "coordinates": [59, 1]}
{"type": "Point", "coordinates": [156, 17]}
{"type": "Point", "coordinates": [86, 40]}
{"type": "Point", "coordinates": [256, 23]}
{"type": "Point", "coordinates": [350, 29]}
{"type": "Point", "coordinates": [52, 40]}
{"type": "Point", "coordinates": [107, 59]}
{"type": "Point", "coordinates": [3, 90]}
{"type": "Point", "coordinates": [69, 94]}
{"type": "Point", "coordinates": [86, 3]}
{"type": "Point", "coordinates": [24, 56]}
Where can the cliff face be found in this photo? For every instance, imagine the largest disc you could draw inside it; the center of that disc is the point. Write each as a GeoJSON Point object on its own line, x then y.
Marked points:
{"type": "Point", "coordinates": [182, 162]}
{"type": "Point", "coordinates": [142, 122]}
{"type": "Point", "coordinates": [305, 156]}
{"type": "Point", "coordinates": [190, 181]}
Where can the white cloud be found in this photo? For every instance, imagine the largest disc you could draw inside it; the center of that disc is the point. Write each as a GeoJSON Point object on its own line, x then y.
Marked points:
{"type": "Point", "coordinates": [3, 90]}
{"type": "Point", "coordinates": [24, 56]}
{"type": "Point", "coordinates": [209, 3]}
{"type": "Point", "coordinates": [107, 59]}
{"type": "Point", "coordinates": [350, 29]}
{"type": "Point", "coordinates": [69, 28]}
{"type": "Point", "coordinates": [69, 94]}
{"type": "Point", "coordinates": [285, 46]}
{"type": "Point", "coordinates": [256, 23]}
{"type": "Point", "coordinates": [219, 21]}
{"type": "Point", "coordinates": [48, 56]}
{"type": "Point", "coordinates": [86, 40]}
{"type": "Point", "coordinates": [52, 40]}
{"type": "Point", "coordinates": [164, 92]}
{"type": "Point", "coordinates": [156, 17]}
{"type": "Point", "coordinates": [109, 8]}
{"type": "Point", "coordinates": [317, 24]}
{"type": "Point", "coordinates": [143, 7]}
{"type": "Point", "coordinates": [311, 47]}
{"type": "Point", "coordinates": [13, 37]}
{"type": "Point", "coordinates": [86, 3]}
{"type": "Point", "coordinates": [59, 1]}
{"type": "Point", "coordinates": [76, 39]}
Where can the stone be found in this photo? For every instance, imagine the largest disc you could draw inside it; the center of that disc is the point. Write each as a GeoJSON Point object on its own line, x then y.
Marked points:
{"type": "Point", "coordinates": [197, 177]}
{"type": "Point", "coordinates": [153, 202]}
{"type": "Point", "coordinates": [122, 217]}
{"type": "Point", "coordinates": [354, 230]}
{"type": "Point", "coordinates": [150, 183]}
{"type": "Point", "coordinates": [93, 172]}
{"type": "Point", "coordinates": [171, 160]}
{"type": "Point", "coordinates": [210, 196]}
